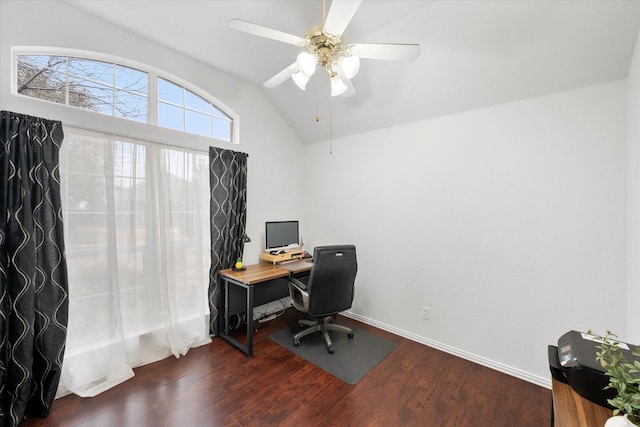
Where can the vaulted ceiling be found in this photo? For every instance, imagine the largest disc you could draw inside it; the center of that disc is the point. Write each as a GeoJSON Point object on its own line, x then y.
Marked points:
{"type": "Point", "coordinates": [473, 53]}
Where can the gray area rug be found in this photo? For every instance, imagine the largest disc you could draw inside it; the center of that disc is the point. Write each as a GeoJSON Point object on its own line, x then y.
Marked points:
{"type": "Point", "coordinates": [353, 359]}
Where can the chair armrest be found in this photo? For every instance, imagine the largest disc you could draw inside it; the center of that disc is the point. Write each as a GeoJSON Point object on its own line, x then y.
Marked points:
{"type": "Point", "coordinates": [299, 295]}
{"type": "Point", "coordinates": [298, 284]}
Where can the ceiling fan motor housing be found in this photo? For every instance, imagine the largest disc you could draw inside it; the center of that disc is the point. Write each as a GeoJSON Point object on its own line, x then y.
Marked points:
{"type": "Point", "coordinates": [324, 46]}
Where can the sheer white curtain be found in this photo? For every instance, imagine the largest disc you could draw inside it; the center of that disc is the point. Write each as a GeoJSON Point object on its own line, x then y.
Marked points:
{"type": "Point", "coordinates": [138, 253]}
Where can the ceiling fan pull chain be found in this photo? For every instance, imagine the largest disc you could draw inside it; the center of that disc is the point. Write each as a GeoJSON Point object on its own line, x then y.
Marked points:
{"type": "Point", "coordinates": [317, 102]}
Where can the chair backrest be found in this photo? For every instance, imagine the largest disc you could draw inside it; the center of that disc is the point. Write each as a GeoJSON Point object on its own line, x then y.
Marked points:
{"type": "Point", "coordinates": [331, 281]}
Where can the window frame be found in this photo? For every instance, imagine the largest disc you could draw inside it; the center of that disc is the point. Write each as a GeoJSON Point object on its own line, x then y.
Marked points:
{"type": "Point", "coordinates": [153, 74]}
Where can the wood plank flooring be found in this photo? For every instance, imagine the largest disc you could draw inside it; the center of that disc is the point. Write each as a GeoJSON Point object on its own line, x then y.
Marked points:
{"type": "Point", "coordinates": [216, 385]}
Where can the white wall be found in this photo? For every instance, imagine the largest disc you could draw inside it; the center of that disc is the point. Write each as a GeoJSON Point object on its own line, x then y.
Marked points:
{"type": "Point", "coordinates": [508, 222]}
{"type": "Point", "coordinates": [271, 144]}
{"type": "Point", "coordinates": [633, 217]}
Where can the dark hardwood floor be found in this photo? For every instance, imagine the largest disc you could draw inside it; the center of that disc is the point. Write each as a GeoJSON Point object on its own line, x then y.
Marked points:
{"type": "Point", "coordinates": [216, 385]}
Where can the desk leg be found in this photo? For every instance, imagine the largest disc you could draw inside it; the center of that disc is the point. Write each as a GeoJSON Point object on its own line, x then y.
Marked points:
{"type": "Point", "coordinates": [224, 329]}
{"type": "Point", "coordinates": [226, 307]}
{"type": "Point", "coordinates": [250, 321]}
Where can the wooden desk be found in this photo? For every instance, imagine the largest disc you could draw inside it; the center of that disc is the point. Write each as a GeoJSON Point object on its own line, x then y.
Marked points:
{"type": "Point", "coordinates": [257, 274]}
{"type": "Point", "coordinates": [572, 410]}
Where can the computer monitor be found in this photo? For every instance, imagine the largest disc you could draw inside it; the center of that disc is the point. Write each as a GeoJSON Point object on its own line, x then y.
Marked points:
{"type": "Point", "coordinates": [281, 235]}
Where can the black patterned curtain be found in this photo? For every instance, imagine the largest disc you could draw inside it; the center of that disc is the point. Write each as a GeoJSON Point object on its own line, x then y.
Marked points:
{"type": "Point", "coordinates": [228, 182]}
{"type": "Point", "coordinates": [33, 271]}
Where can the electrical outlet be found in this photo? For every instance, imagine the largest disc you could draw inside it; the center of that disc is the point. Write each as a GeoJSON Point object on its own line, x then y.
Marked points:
{"type": "Point", "coordinates": [426, 313]}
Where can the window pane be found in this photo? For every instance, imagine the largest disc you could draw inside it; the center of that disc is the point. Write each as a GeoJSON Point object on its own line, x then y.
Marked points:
{"type": "Point", "coordinates": [88, 192]}
{"type": "Point", "coordinates": [170, 92]}
{"type": "Point", "coordinates": [90, 96]}
{"type": "Point", "coordinates": [126, 190]}
{"type": "Point", "coordinates": [198, 123]}
{"type": "Point", "coordinates": [48, 85]}
{"type": "Point", "coordinates": [132, 80]}
{"type": "Point", "coordinates": [85, 153]}
{"type": "Point", "coordinates": [44, 61]}
{"type": "Point", "coordinates": [222, 129]}
{"type": "Point", "coordinates": [92, 70]}
{"type": "Point", "coordinates": [77, 226]}
{"type": "Point", "coordinates": [130, 106]}
{"type": "Point", "coordinates": [123, 183]}
{"type": "Point", "coordinates": [219, 113]}
{"type": "Point", "coordinates": [93, 314]}
{"type": "Point", "coordinates": [196, 102]}
{"type": "Point", "coordinates": [128, 159]}
{"type": "Point", "coordinates": [170, 116]}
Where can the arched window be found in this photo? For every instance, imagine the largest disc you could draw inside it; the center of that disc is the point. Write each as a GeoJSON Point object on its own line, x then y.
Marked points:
{"type": "Point", "coordinates": [120, 89]}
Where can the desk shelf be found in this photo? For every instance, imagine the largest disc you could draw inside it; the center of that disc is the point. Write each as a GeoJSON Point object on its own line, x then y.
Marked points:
{"type": "Point", "coordinates": [277, 259]}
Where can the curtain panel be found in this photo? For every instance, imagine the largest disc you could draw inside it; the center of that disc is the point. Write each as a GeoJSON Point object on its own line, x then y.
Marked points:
{"type": "Point", "coordinates": [228, 211]}
{"type": "Point", "coordinates": [33, 272]}
{"type": "Point", "coordinates": [137, 218]}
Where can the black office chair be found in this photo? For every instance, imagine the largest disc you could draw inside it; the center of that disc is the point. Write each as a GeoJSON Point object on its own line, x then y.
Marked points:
{"type": "Point", "coordinates": [327, 290]}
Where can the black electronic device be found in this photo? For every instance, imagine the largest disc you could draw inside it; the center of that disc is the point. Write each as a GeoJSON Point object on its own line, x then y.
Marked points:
{"type": "Point", "coordinates": [554, 364]}
{"type": "Point", "coordinates": [577, 359]}
{"type": "Point", "coordinates": [281, 236]}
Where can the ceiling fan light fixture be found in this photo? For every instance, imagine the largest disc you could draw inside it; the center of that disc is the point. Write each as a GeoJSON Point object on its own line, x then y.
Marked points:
{"type": "Point", "coordinates": [350, 65]}
{"type": "Point", "coordinates": [306, 64]}
{"type": "Point", "coordinates": [337, 85]}
{"type": "Point", "coordinates": [300, 79]}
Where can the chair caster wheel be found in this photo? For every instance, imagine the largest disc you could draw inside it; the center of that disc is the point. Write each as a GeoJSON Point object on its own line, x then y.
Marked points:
{"type": "Point", "coordinates": [331, 350]}
{"type": "Point", "coordinates": [296, 343]}
{"type": "Point", "coordinates": [350, 335]}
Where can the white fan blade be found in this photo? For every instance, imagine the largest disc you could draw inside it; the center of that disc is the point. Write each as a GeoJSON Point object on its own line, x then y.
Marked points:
{"type": "Point", "coordinates": [339, 16]}
{"type": "Point", "coordinates": [259, 30]}
{"type": "Point", "coordinates": [390, 52]}
{"type": "Point", "coordinates": [283, 75]}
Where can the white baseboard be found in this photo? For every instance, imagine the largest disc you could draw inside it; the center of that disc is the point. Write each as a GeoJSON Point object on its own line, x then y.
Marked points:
{"type": "Point", "coordinates": [509, 370]}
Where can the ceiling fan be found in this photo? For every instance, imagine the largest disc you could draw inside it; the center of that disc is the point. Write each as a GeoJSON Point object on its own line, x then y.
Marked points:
{"type": "Point", "coordinates": [324, 46]}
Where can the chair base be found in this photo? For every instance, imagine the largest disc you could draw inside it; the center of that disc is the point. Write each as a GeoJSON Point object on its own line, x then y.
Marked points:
{"type": "Point", "coordinates": [324, 325]}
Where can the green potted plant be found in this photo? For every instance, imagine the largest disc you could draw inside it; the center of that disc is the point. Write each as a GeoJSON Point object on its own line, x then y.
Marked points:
{"type": "Point", "coordinates": [624, 377]}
